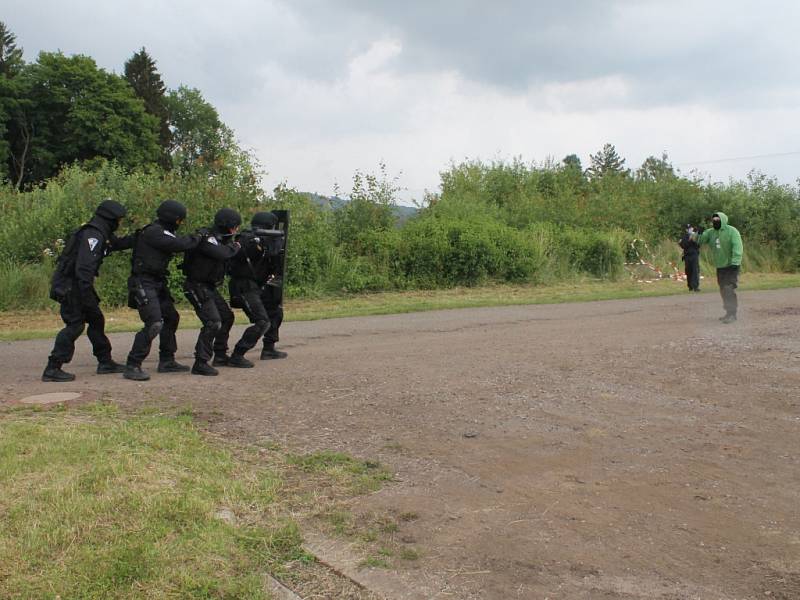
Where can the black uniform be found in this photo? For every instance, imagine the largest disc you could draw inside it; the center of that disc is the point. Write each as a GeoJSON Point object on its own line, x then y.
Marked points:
{"type": "Point", "coordinates": [204, 267]}
{"type": "Point", "coordinates": [154, 247]}
{"type": "Point", "coordinates": [250, 270]}
{"type": "Point", "coordinates": [73, 288]}
{"type": "Point", "coordinates": [691, 259]}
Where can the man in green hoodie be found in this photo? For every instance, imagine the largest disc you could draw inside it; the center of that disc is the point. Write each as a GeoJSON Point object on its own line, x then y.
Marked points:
{"type": "Point", "coordinates": [726, 248]}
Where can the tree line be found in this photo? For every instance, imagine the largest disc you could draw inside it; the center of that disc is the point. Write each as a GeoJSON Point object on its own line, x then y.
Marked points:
{"type": "Point", "coordinates": [59, 110]}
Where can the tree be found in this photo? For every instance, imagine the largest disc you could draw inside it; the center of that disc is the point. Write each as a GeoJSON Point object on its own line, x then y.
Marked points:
{"type": "Point", "coordinates": [572, 162]}
{"type": "Point", "coordinates": [606, 162]}
{"type": "Point", "coordinates": [656, 169]}
{"type": "Point", "coordinates": [141, 73]}
{"type": "Point", "coordinates": [11, 64]}
{"type": "Point", "coordinates": [71, 110]}
{"type": "Point", "coordinates": [11, 61]}
{"type": "Point", "coordinates": [199, 137]}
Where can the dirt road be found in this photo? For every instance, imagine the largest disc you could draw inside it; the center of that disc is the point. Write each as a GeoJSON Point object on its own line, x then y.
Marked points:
{"type": "Point", "coordinates": [622, 449]}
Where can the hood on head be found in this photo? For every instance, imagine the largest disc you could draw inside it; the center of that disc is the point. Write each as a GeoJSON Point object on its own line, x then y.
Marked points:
{"type": "Point", "coordinates": [723, 218]}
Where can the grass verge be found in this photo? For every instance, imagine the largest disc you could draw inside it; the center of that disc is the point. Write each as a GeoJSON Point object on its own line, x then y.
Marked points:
{"type": "Point", "coordinates": [96, 504]}
{"type": "Point", "coordinates": [20, 325]}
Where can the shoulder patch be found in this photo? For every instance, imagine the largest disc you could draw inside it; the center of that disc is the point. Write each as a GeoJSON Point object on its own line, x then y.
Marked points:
{"type": "Point", "coordinates": [213, 240]}
{"type": "Point", "coordinates": [93, 243]}
{"type": "Point", "coordinates": [169, 233]}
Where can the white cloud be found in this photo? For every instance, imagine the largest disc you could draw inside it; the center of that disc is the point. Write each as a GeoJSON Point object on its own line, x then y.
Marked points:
{"type": "Point", "coordinates": [321, 89]}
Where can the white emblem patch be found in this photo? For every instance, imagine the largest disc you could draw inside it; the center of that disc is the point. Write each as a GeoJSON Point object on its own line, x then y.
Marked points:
{"type": "Point", "coordinates": [93, 243]}
{"type": "Point", "coordinates": [213, 240]}
{"type": "Point", "coordinates": [169, 233]}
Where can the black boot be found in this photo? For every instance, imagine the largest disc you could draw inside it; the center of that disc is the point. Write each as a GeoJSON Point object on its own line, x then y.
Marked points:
{"type": "Point", "coordinates": [135, 373]}
{"type": "Point", "coordinates": [221, 360]}
{"type": "Point", "coordinates": [171, 366]}
{"type": "Point", "coordinates": [107, 367]}
{"type": "Point", "coordinates": [239, 361]}
{"type": "Point", "coordinates": [201, 367]}
{"type": "Point", "coordinates": [269, 352]}
{"type": "Point", "coordinates": [54, 373]}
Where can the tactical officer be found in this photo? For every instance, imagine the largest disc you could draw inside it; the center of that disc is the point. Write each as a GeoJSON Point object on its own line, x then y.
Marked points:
{"type": "Point", "coordinates": [252, 269]}
{"type": "Point", "coordinates": [204, 267]}
{"type": "Point", "coordinates": [272, 286]}
{"type": "Point", "coordinates": [73, 287]}
{"type": "Point", "coordinates": [691, 257]}
{"type": "Point", "coordinates": [153, 248]}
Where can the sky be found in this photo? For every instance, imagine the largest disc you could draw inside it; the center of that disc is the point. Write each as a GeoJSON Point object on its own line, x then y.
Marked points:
{"type": "Point", "coordinates": [321, 89]}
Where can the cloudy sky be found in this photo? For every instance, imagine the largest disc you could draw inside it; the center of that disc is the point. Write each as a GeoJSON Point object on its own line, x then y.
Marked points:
{"type": "Point", "coordinates": [319, 89]}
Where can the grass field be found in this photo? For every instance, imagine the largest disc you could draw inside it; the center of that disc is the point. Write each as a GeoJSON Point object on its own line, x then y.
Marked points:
{"type": "Point", "coordinates": [98, 504]}
{"type": "Point", "coordinates": [20, 325]}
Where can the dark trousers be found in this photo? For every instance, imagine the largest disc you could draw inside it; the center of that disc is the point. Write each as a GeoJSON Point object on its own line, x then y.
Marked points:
{"type": "Point", "coordinates": [692, 265]}
{"type": "Point", "coordinates": [272, 299]}
{"type": "Point", "coordinates": [215, 315]}
{"type": "Point", "coordinates": [728, 280]}
{"type": "Point", "coordinates": [248, 296]}
{"type": "Point", "coordinates": [157, 312]}
{"type": "Point", "coordinates": [75, 315]}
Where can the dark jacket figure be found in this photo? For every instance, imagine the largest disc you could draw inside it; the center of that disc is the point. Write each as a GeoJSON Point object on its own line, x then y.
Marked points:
{"type": "Point", "coordinates": [204, 267]}
{"type": "Point", "coordinates": [726, 250]}
{"type": "Point", "coordinates": [153, 248]}
{"type": "Point", "coordinates": [254, 286]}
{"type": "Point", "coordinates": [691, 259]}
{"type": "Point", "coordinates": [73, 288]}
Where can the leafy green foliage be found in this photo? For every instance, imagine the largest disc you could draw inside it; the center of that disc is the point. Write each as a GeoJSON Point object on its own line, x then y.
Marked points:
{"type": "Point", "coordinates": [71, 110]}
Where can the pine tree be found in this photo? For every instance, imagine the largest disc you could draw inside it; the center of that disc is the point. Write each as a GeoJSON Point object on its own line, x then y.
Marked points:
{"type": "Point", "coordinates": [606, 162]}
{"type": "Point", "coordinates": [10, 56]}
{"type": "Point", "coordinates": [141, 73]}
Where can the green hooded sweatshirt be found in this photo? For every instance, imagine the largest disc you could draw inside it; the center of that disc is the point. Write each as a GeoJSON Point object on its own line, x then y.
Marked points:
{"type": "Point", "coordinates": [725, 242]}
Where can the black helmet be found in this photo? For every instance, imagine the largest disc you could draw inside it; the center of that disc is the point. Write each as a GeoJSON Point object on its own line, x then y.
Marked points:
{"type": "Point", "coordinates": [111, 210]}
{"type": "Point", "coordinates": [264, 220]}
{"type": "Point", "coordinates": [226, 220]}
{"type": "Point", "coordinates": [171, 211]}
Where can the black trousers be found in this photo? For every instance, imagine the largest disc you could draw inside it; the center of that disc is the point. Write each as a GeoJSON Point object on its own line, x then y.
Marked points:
{"type": "Point", "coordinates": [157, 312]}
{"type": "Point", "coordinates": [75, 315]}
{"type": "Point", "coordinates": [215, 315]}
{"type": "Point", "coordinates": [692, 266]}
{"type": "Point", "coordinates": [246, 294]}
{"type": "Point", "coordinates": [728, 280]}
{"type": "Point", "coordinates": [272, 299]}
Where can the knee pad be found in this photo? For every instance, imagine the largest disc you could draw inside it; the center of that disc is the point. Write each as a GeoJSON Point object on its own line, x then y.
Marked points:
{"type": "Point", "coordinates": [212, 326]}
{"type": "Point", "coordinates": [154, 329]}
{"type": "Point", "coordinates": [262, 326]}
{"type": "Point", "coordinates": [74, 330]}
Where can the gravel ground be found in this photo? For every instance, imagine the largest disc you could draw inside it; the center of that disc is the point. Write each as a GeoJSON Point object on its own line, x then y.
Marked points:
{"type": "Point", "coordinates": [608, 450]}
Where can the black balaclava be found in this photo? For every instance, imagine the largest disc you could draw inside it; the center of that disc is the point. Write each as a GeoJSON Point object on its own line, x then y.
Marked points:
{"type": "Point", "coordinates": [716, 222]}
{"type": "Point", "coordinates": [170, 212]}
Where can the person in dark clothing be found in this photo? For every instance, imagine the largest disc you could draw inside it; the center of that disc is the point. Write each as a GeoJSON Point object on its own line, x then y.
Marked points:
{"type": "Point", "coordinates": [153, 248]}
{"type": "Point", "coordinates": [73, 288]}
{"type": "Point", "coordinates": [252, 270]}
{"type": "Point", "coordinates": [691, 258]}
{"type": "Point", "coordinates": [204, 267]}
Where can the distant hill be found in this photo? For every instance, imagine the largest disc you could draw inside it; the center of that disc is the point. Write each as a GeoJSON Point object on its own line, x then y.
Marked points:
{"type": "Point", "coordinates": [403, 213]}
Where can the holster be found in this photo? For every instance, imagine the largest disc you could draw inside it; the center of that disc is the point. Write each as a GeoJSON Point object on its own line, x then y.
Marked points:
{"type": "Point", "coordinates": [60, 287]}
{"type": "Point", "coordinates": [195, 293]}
{"type": "Point", "coordinates": [137, 297]}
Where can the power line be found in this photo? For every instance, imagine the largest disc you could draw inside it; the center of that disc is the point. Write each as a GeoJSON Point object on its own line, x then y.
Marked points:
{"type": "Point", "coordinates": [721, 160]}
